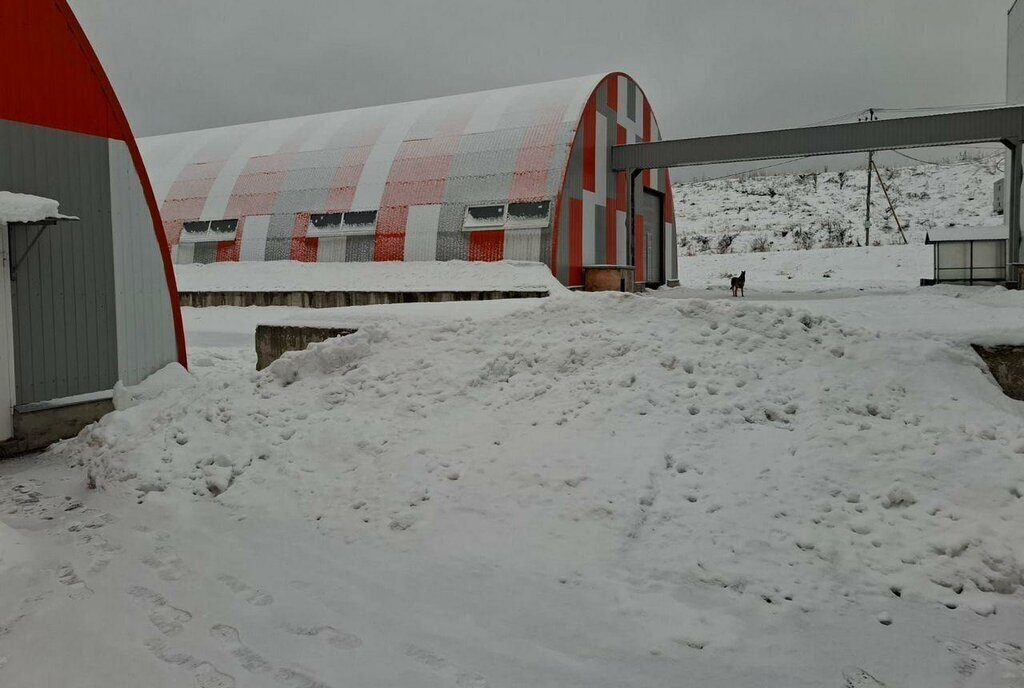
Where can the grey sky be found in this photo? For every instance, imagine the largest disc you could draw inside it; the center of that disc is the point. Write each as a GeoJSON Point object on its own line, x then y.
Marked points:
{"type": "Point", "coordinates": [709, 66]}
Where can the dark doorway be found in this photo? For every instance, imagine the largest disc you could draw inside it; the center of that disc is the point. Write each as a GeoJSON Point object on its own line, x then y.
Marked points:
{"type": "Point", "coordinates": [652, 205]}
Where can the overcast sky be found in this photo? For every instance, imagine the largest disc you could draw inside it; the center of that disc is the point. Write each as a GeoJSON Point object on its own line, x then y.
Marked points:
{"type": "Point", "coordinates": [708, 66]}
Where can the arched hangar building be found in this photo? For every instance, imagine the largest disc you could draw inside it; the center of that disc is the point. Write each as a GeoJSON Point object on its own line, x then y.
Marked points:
{"type": "Point", "coordinates": [516, 173]}
{"type": "Point", "coordinates": [89, 297]}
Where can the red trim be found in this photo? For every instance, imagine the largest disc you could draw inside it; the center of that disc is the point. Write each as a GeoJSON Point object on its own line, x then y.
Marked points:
{"type": "Point", "coordinates": [575, 242]}
{"type": "Point", "coordinates": [487, 246]}
{"type": "Point", "coordinates": [126, 135]}
{"type": "Point", "coordinates": [303, 248]}
{"type": "Point", "coordinates": [389, 239]}
{"type": "Point", "coordinates": [590, 143]}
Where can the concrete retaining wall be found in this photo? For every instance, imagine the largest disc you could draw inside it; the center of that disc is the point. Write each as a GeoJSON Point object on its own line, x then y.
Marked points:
{"type": "Point", "coordinates": [1006, 363]}
{"type": "Point", "coordinates": [274, 340]}
{"type": "Point", "coordinates": [335, 299]}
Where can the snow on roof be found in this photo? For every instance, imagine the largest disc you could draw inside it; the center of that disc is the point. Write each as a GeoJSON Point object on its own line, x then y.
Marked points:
{"type": "Point", "coordinates": [18, 207]}
{"type": "Point", "coordinates": [289, 275]}
{"type": "Point", "coordinates": [943, 234]}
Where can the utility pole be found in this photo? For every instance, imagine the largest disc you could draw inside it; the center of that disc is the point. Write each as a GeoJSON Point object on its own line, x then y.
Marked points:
{"type": "Point", "coordinates": [867, 205]}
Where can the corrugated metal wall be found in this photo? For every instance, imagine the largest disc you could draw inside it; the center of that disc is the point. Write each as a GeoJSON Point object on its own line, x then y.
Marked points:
{"type": "Point", "coordinates": [65, 338]}
{"type": "Point", "coordinates": [145, 325]}
{"type": "Point", "coordinates": [1015, 54]}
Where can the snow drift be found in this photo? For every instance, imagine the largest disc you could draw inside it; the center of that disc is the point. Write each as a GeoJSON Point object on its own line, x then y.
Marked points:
{"type": "Point", "coordinates": [757, 450]}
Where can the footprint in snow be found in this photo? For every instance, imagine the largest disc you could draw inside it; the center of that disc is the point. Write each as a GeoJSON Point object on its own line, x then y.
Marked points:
{"type": "Point", "coordinates": [334, 637]}
{"type": "Point", "coordinates": [206, 674]}
{"type": "Point", "coordinates": [167, 618]}
{"type": "Point", "coordinates": [854, 677]}
{"type": "Point", "coordinates": [250, 660]}
{"type": "Point", "coordinates": [1009, 652]}
{"type": "Point", "coordinates": [252, 595]}
{"type": "Point", "coordinates": [463, 679]}
{"type": "Point", "coordinates": [77, 589]}
{"type": "Point", "coordinates": [255, 663]}
{"type": "Point", "coordinates": [169, 566]}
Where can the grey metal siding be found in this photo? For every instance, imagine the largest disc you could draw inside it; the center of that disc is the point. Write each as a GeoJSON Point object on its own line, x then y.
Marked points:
{"type": "Point", "coordinates": [65, 338]}
{"type": "Point", "coordinates": [146, 339]}
{"type": "Point", "coordinates": [1015, 54]}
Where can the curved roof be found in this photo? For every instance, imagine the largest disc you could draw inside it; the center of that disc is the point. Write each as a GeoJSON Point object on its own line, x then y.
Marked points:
{"type": "Point", "coordinates": [504, 144]}
{"type": "Point", "coordinates": [51, 77]}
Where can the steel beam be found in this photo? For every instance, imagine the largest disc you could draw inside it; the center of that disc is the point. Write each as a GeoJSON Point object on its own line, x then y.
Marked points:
{"type": "Point", "coordinates": [958, 128]}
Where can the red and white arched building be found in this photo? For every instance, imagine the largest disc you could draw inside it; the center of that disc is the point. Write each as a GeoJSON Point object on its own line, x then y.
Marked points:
{"type": "Point", "coordinates": [90, 299]}
{"type": "Point", "coordinates": [516, 173]}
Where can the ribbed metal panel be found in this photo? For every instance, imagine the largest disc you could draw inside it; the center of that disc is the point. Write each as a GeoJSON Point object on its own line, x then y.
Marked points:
{"type": "Point", "coordinates": [1015, 54]}
{"type": "Point", "coordinates": [145, 325]}
{"type": "Point", "coordinates": [65, 337]}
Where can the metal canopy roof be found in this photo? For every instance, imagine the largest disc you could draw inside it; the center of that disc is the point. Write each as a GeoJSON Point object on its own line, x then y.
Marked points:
{"type": "Point", "coordinates": [958, 128]}
{"type": "Point", "coordinates": [1004, 125]}
{"type": "Point", "coordinates": [945, 234]}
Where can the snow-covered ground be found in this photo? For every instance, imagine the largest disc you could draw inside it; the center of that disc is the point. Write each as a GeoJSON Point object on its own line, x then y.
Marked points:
{"type": "Point", "coordinates": [827, 209]}
{"type": "Point", "coordinates": [806, 484]}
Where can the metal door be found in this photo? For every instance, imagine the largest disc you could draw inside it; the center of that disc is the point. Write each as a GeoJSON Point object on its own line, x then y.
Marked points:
{"type": "Point", "coordinates": [651, 208]}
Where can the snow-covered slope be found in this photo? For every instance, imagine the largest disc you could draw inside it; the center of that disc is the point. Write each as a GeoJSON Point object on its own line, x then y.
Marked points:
{"type": "Point", "coordinates": [819, 210]}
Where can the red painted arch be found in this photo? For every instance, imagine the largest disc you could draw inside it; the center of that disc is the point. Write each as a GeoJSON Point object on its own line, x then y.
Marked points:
{"type": "Point", "coordinates": [649, 121]}
{"type": "Point", "coordinates": [53, 78]}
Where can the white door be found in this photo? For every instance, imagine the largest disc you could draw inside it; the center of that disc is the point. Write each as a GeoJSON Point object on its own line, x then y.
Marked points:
{"type": "Point", "coordinates": [6, 339]}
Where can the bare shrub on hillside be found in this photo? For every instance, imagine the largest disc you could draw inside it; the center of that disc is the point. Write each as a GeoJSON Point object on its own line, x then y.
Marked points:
{"type": "Point", "coordinates": [803, 238]}
{"type": "Point", "coordinates": [786, 230]}
{"type": "Point", "coordinates": [700, 242]}
{"type": "Point", "coordinates": [724, 244]}
{"type": "Point", "coordinates": [760, 244]}
{"type": "Point", "coordinates": [837, 233]}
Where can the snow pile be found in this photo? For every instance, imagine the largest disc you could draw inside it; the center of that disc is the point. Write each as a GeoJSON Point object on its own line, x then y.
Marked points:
{"type": "Point", "coordinates": [788, 211]}
{"type": "Point", "coordinates": [726, 446]}
{"type": "Point", "coordinates": [289, 275]}
{"type": "Point", "coordinates": [18, 207]}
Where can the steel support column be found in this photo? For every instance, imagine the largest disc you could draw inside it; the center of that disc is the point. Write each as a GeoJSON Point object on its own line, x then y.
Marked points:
{"type": "Point", "coordinates": [631, 220]}
{"type": "Point", "coordinates": [1014, 177]}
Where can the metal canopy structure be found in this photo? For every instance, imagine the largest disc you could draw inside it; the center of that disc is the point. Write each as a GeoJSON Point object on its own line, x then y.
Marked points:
{"type": "Point", "coordinates": [997, 125]}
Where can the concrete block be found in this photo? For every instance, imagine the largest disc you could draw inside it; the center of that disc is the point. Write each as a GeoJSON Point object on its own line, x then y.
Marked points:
{"type": "Point", "coordinates": [608, 278]}
{"type": "Point", "coordinates": [1006, 363]}
{"type": "Point", "coordinates": [274, 340]}
{"type": "Point", "coordinates": [40, 428]}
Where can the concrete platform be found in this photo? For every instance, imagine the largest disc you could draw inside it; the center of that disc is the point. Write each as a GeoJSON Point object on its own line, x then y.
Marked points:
{"type": "Point", "coordinates": [39, 426]}
{"type": "Point", "coordinates": [335, 299]}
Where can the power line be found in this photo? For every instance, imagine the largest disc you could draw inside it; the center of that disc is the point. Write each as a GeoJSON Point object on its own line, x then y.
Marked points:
{"type": "Point", "coordinates": [848, 115]}
{"type": "Point", "coordinates": [756, 169]}
{"type": "Point", "coordinates": [967, 106]}
{"type": "Point", "coordinates": [947, 164]}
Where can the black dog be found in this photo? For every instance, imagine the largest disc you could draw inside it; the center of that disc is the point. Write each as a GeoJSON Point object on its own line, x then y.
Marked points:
{"type": "Point", "coordinates": [736, 283]}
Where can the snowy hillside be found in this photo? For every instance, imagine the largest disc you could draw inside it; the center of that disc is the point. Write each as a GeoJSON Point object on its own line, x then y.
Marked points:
{"type": "Point", "coordinates": [785, 211]}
